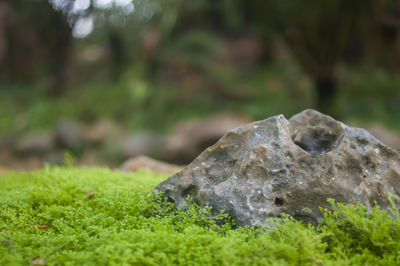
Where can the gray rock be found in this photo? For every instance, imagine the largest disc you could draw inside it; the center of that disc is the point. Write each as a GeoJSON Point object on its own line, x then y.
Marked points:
{"type": "Point", "coordinates": [143, 162]}
{"type": "Point", "coordinates": [191, 137]}
{"type": "Point", "coordinates": [141, 143]}
{"type": "Point", "coordinates": [56, 157]}
{"type": "Point", "coordinates": [70, 134]}
{"type": "Point", "coordinates": [387, 136]}
{"type": "Point", "coordinates": [390, 138]}
{"type": "Point", "coordinates": [276, 166]}
{"type": "Point", "coordinates": [38, 143]}
{"type": "Point", "coordinates": [102, 130]}
{"type": "Point", "coordinates": [6, 141]}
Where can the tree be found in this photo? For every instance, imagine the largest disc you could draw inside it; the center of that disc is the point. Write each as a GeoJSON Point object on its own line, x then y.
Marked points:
{"type": "Point", "coordinates": [317, 33]}
{"type": "Point", "coordinates": [36, 40]}
{"type": "Point", "coordinates": [387, 16]}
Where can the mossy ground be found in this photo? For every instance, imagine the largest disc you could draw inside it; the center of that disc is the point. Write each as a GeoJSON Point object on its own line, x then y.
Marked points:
{"type": "Point", "coordinates": [70, 216]}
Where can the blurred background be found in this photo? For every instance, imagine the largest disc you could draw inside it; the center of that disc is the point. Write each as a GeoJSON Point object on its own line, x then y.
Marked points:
{"type": "Point", "coordinates": [100, 81]}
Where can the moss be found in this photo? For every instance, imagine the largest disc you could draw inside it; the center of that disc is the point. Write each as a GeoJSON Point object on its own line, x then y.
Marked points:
{"type": "Point", "coordinates": [69, 216]}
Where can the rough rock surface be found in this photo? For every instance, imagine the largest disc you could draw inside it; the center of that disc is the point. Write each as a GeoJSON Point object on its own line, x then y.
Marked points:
{"type": "Point", "coordinates": [387, 136]}
{"type": "Point", "coordinates": [390, 138]}
{"type": "Point", "coordinates": [275, 166]}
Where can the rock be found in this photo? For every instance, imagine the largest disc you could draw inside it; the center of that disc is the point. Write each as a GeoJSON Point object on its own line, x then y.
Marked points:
{"type": "Point", "coordinates": [141, 143]}
{"type": "Point", "coordinates": [144, 162]}
{"type": "Point", "coordinates": [390, 138]}
{"type": "Point", "coordinates": [29, 163]}
{"type": "Point", "coordinates": [6, 141]}
{"type": "Point", "coordinates": [70, 134]}
{"type": "Point", "coordinates": [37, 143]}
{"type": "Point", "coordinates": [190, 138]}
{"type": "Point", "coordinates": [101, 131]}
{"type": "Point", "coordinates": [3, 170]}
{"type": "Point", "coordinates": [89, 158]}
{"type": "Point", "coordinates": [6, 144]}
{"type": "Point", "coordinates": [56, 157]}
{"type": "Point", "coordinates": [276, 166]}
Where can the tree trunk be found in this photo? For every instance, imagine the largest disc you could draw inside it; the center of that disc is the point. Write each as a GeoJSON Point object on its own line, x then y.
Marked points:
{"type": "Point", "coordinates": [326, 88]}
{"type": "Point", "coordinates": [117, 53]}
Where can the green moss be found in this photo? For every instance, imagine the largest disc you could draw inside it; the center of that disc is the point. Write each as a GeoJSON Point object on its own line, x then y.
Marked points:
{"type": "Point", "coordinates": [119, 222]}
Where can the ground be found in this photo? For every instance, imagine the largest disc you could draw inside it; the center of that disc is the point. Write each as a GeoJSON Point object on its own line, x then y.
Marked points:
{"type": "Point", "coordinates": [94, 216]}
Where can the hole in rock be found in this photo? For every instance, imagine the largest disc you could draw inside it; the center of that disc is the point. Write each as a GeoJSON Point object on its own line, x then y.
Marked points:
{"type": "Point", "coordinates": [189, 191]}
{"type": "Point", "coordinates": [170, 200]}
{"type": "Point", "coordinates": [317, 138]}
{"type": "Point", "coordinates": [278, 202]}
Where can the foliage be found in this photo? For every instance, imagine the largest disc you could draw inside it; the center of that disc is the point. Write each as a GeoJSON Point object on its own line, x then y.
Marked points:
{"type": "Point", "coordinates": [370, 95]}
{"type": "Point", "coordinates": [135, 102]}
{"type": "Point", "coordinates": [157, 62]}
{"type": "Point", "coordinates": [98, 216]}
{"type": "Point", "coordinates": [353, 233]}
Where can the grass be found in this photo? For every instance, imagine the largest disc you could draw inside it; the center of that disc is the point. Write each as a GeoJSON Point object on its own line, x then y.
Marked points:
{"type": "Point", "coordinates": [93, 216]}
